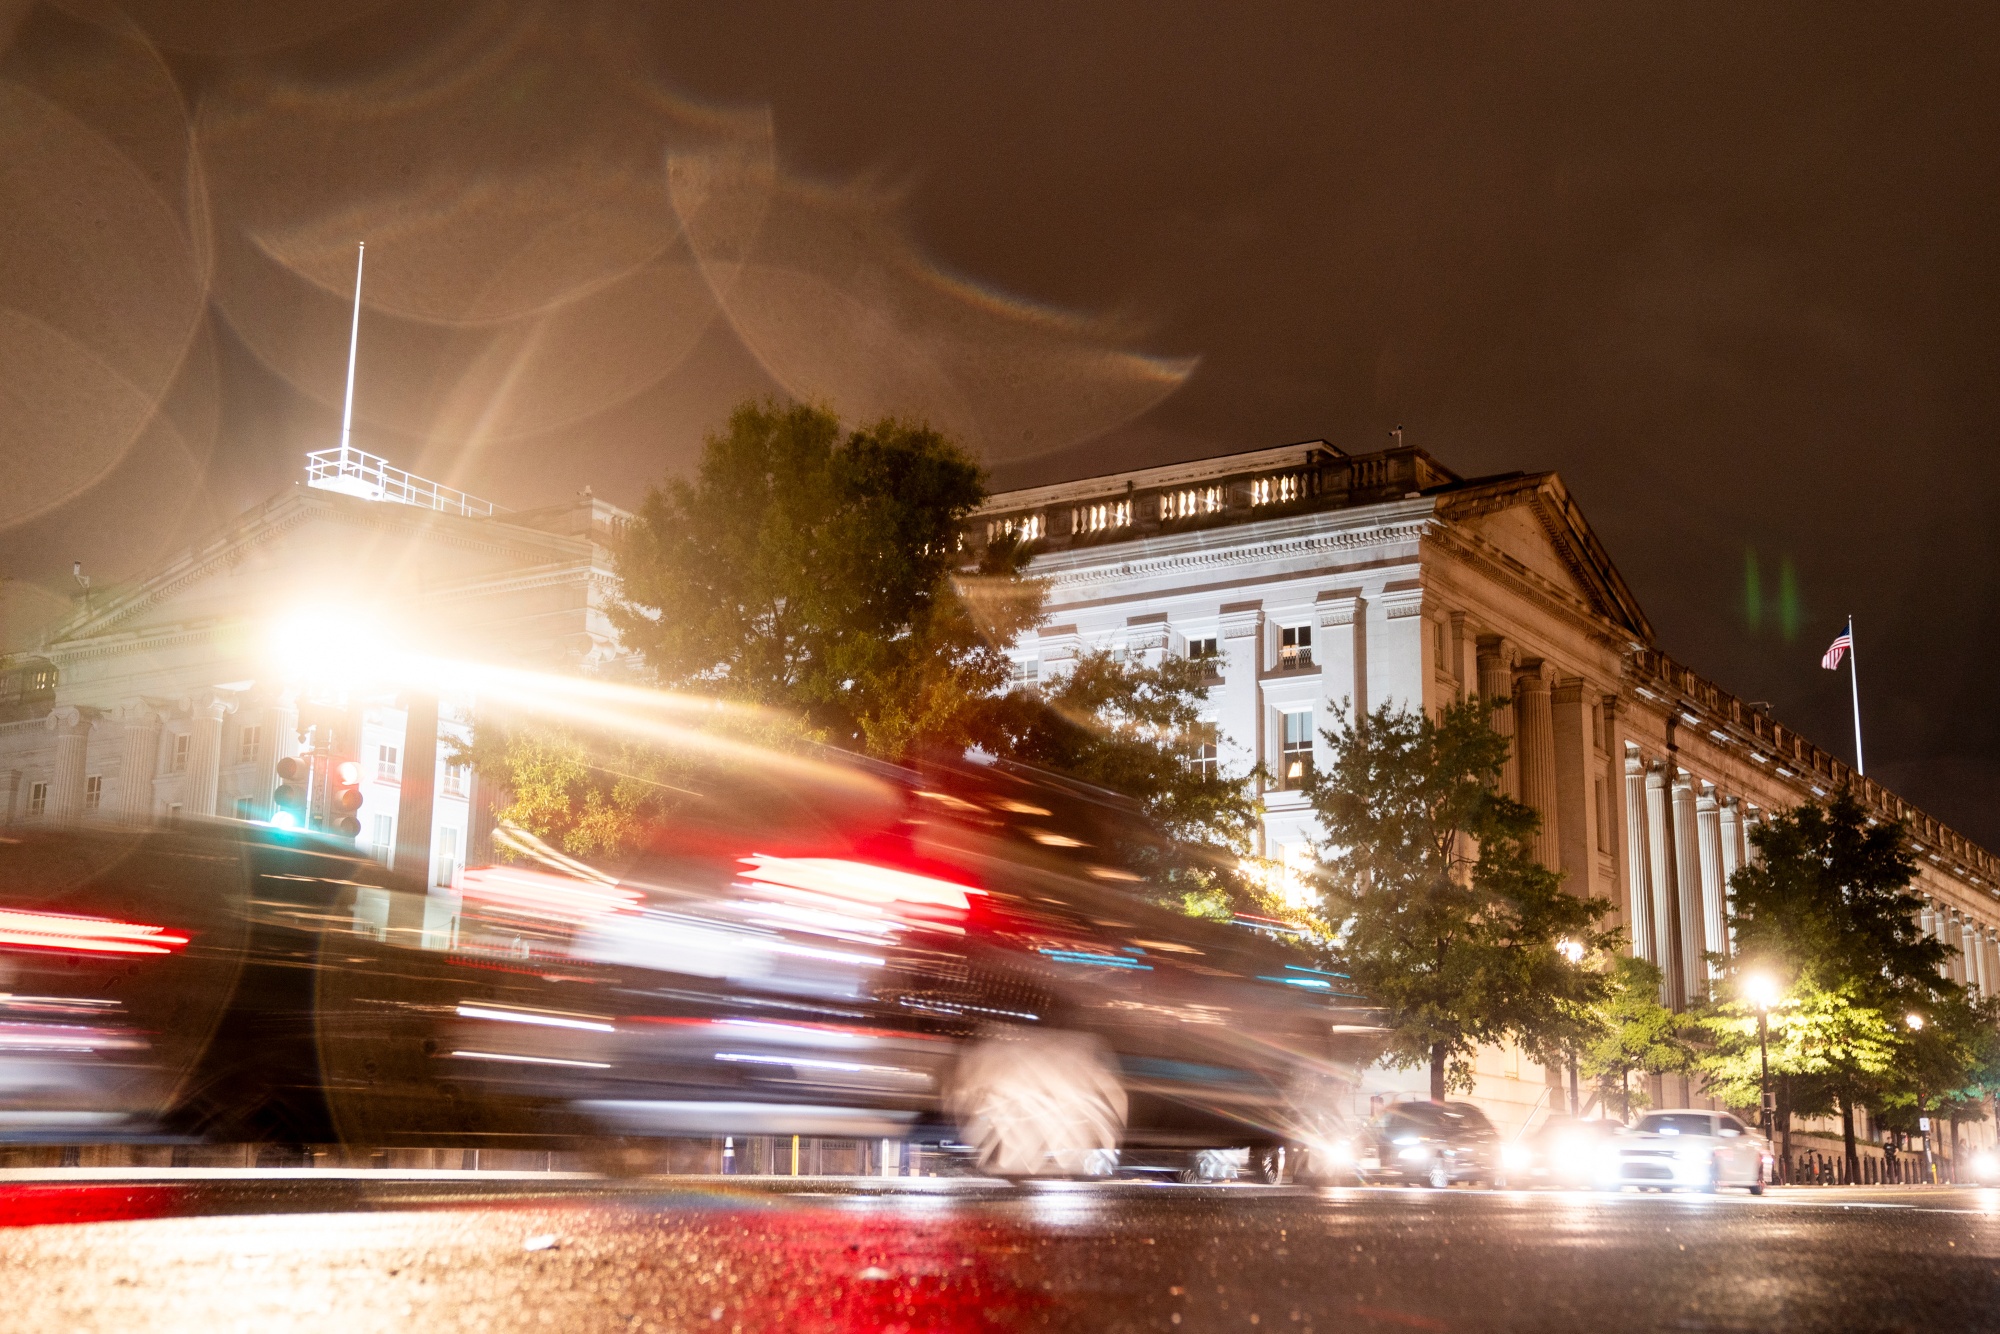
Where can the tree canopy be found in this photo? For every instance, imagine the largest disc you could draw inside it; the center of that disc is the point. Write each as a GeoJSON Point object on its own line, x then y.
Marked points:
{"type": "Point", "coordinates": [1439, 910]}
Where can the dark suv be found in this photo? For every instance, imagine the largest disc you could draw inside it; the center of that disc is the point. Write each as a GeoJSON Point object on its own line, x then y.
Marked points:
{"type": "Point", "coordinates": [1432, 1143]}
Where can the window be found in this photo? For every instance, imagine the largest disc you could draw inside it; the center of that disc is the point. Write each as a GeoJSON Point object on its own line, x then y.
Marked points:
{"type": "Point", "coordinates": [1102, 517]}
{"type": "Point", "coordinates": [1603, 820]}
{"type": "Point", "coordinates": [248, 741]}
{"type": "Point", "coordinates": [246, 808]}
{"type": "Point", "coordinates": [93, 792]}
{"type": "Point", "coordinates": [384, 839]}
{"type": "Point", "coordinates": [1296, 766]}
{"type": "Point", "coordinates": [1206, 760]}
{"type": "Point", "coordinates": [457, 778]}
{"type": "Point", "coordinates": [386, 769]}
{"type": "Point", "coordinates": [177, 761]}
{"type": "Point", "coordinates": [38, 800]}
{"type": "Point", "coordinates": [1295, 648]}
{"type": "Point", "coordinates": [1190, 502]}
{"type": "Point", "coordinates": [1025, 671]}
{"type": "Point", "coordinates": [1023, 528]}
{"type": "Point", "coordinates": [1204, 650]}
{"type": "Point", "coordinates": [447, 858]}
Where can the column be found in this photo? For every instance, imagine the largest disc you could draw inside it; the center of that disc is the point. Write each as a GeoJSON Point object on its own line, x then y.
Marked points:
{"type": "Point", "coordinates": [417, 801]}
{"type": "Point", "coordinates": [1970, 935]}
{"type": "Point", "coordinates": [1496, 683]}
{"type": "Point", "coordinates": [139, 761]}
{"type": "Point", "coordinates": [1239, 699]}
{"type": "Point", "coordinates": [204, 771]}
{"type": "Point", "coordinates": [1955, 938]}
{"type": "Point", "coordinates": [1638, 877]}
{"type": "Point", "coordinates": [1666, 897]}
{"type": "Point", "coordinates": [1687, 857]}
{"type": "Point", "coordinates": [1731, 825]}
{"type": "Point", "coordinates": [1336, 629]}
{"type": "Point", "coordinates": [1535, 740]}
{"type": "Point", "coordinates": [1708, 829]}
{"type": "Point", "coordinates": [1576, 792]}
{"type": "Point", "coordinates": [71, 726]}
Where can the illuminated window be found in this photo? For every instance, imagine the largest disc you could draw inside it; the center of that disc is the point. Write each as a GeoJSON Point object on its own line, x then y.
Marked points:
{"type": "Point", "coordinates": [93, 792]}
{"type": "Point", "coordinates": [387, 769]}
{"type": "Point", "coordinates": [1295, 648]}
{"type": "Point", "coordinates": [247, 743]}
{"type": "Point", "coordinates": [38, 800]}
{"type": "Point", "coordinates": [457, 778]}
{"type": "Point", "coordinates": [1022, 528]}
{"type": "Point", "coordinates": [1190, 502]}
{"type": "Point", "coordinates": [447, 858]}
{"type": "Point", "coordinates": [1207, 758]}
{"type": "Point", "coordinates": [177, 761]}
{"type": "Point", "coordinates": [1296, 763]}
{"type": "Point", "coordinates": [1101, 517]}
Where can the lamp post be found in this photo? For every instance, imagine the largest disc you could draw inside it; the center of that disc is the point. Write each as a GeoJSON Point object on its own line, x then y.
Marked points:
{"type": "Point", "coordinates": [1761, 990]}
{"type": "Point", "coordinates": [1573, 951]}
{"type": "Point", "coordinates": [1916, 1023]}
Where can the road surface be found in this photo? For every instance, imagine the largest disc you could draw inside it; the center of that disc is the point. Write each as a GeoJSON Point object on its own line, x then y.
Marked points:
{"type": "Point", "coordinates": [262, 1251]}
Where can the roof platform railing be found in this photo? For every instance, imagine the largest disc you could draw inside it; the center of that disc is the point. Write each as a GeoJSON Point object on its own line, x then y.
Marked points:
{"type": "Point", "coordinates": [354, 472]}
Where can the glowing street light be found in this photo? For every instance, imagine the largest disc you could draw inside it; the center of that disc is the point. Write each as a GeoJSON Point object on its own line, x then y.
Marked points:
{"type": "Point", "coordinates": [1761, 991]}
{"type": "Point", "coordinates": [1570, 949]}
{"type": "Point", "coordinates": [1916, 1025]}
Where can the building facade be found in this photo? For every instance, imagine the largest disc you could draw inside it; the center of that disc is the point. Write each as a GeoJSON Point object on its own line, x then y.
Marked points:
{"type": "Point", "coordinates": [1316, 581]}
{"type": "Point", "coordinates": [179, 694]}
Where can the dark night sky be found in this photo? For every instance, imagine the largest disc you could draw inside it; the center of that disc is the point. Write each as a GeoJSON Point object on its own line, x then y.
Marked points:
{"type": "Point", "coordinates": [1727, 268]}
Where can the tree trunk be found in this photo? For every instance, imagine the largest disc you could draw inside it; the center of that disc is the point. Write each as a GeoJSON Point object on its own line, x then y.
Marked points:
{"type": "Point", "coordinates": [1437, 1071]}
{"type": "Point", "coordinates": [1784, 1110]}
{"type": "Point", "coordinates": [1847, 1134]}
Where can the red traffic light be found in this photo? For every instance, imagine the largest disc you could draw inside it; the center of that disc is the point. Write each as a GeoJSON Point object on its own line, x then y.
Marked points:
{"type": "Point", "coordinates": [343, 798]}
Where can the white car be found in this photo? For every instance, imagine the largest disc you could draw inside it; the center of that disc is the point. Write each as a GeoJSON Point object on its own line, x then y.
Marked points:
{"type": "Point", "coordinates": [1685, 1150]}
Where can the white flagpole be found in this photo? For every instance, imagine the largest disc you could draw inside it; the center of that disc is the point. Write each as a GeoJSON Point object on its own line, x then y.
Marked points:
{"type": "Point", "coordinates": [353, 346]}
{"type": "Point", "coordinates": [1854, 686]}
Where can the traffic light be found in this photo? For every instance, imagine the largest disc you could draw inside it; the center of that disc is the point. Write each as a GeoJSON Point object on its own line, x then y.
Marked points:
{"type": "Point", "coordinates": [288, 803]}
{"type": "Point", "coordinates": [343, 798]}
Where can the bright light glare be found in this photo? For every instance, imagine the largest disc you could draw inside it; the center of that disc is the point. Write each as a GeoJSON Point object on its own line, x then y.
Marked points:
{"type": "Point", "coordinates": [1986, 1166]}
{"type": "Point", "coordinates": [1570, 949]}
{"type": "Point", "coordinates": [1760, 989]}
{"type": "Point", "coordinates": [332, 644]}
{"type": "Point", "coordinates": [283, 820]}
{"type": "Point", "coordinates": [85, 935]}
{"type": "Point", "coordinates": [1914, 1020]}
{"type": "Point", "coordinates": [1515, 1157]}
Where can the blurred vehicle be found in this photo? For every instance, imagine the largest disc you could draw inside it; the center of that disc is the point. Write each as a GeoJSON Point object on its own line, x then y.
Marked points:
{"type": "Point", "coordinates": [952, 952]}
{"type": "Point", "coordinates": [1431, 1143]}
{"type": "Point", "coordinates": [160, 983]}
{"type": "Point", "coordinates": [1563, 1151]}
{"type": "Point", "coordinates": [1685, 1150]}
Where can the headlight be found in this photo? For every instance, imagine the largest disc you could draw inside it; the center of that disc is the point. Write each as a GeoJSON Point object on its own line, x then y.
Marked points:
{"type": "Point", "coordinates": [1985, 1166]}
{"type": "Point", "coordinates": [1340, 1151]}
{"type": "Point", "coordinates": [1516, 1157]}
{"type": "Point", "coordinates": [1690, 1153]}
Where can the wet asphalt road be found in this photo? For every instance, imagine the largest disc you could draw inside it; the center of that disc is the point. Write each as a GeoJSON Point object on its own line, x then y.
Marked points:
{"type": "Point", "coordinates": [162, 1256]}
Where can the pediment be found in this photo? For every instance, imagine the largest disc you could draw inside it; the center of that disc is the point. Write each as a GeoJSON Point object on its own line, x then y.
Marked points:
{"type": "Point", "coordinates": [1531, 522]}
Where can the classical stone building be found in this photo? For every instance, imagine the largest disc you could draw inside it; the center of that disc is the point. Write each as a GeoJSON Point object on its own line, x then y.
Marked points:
{"type": "Point", "coordinates": [176, 695]}
{"type": "Point", "coordinates": [1313, 579]}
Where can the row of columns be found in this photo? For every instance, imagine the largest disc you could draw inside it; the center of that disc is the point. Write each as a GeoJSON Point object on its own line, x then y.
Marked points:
{"type": "Point", "coordinates": [1683, 843]}
{"type": "Point", "coordinates": [1551, 759]}
{"type": "Point", "coordinates": [1975, 963]}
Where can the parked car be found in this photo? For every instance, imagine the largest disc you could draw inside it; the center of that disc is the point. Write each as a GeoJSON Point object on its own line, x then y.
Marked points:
{"type": "Point", "coordinates": [1686, 1150]}
{"type": "Point", "coordinates": [1431, 1143]}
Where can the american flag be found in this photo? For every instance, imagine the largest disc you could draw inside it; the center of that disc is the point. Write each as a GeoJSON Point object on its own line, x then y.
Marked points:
{"type": "Point", "coordinates": [1841, 646]}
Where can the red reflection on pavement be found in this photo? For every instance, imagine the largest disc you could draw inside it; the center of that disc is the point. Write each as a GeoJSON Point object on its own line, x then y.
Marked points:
{"type": "Point", "coordinates": [35, 1205]}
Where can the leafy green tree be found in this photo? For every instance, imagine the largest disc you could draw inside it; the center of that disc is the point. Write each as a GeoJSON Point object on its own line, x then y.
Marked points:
{"type": "Point", "coordinates": [1826, 910]}
{"type": "Point", "coordinates": [1635, 1035]}
{"type": "Point", "coordinates": [816, 570]}
{"type": "Point", "coordinates": [1439, 911]}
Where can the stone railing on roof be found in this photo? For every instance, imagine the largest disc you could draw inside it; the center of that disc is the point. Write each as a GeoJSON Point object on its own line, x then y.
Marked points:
{"type": "Point", "coordinates": [1730, 720]}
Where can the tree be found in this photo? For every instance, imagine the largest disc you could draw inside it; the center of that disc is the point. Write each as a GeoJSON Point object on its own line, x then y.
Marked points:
{"type": "Point", "coordinates": [1826, 908]}
{"type": "Point", "coordinates": [1439, 911]}
{"type": "Point", "coordinates": [1634, 1035]}
{"type": "Point", "coordinates": [814, 570]}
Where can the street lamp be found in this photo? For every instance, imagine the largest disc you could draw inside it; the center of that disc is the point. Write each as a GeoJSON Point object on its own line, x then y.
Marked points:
{"type": "Point", "coordinates": [1761, 990]}
{"type": "Point", "coordinates": [1573, 951]}
{"type": "Point", "coordinates": [1916, 1023]}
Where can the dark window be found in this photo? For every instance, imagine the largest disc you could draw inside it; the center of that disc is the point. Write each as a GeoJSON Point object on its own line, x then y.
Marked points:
{"type": "Point", "coordinates": [1295, 648]}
